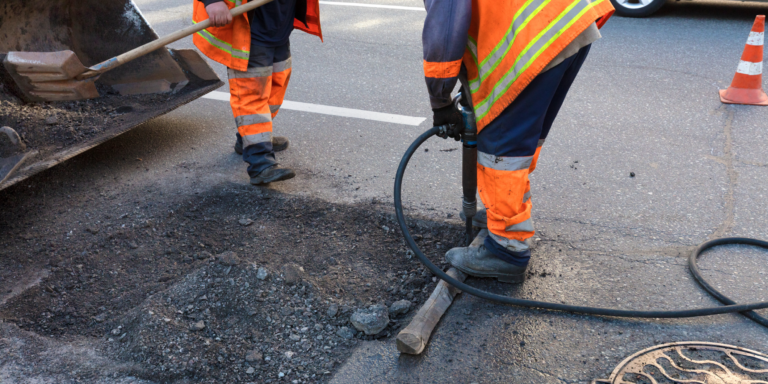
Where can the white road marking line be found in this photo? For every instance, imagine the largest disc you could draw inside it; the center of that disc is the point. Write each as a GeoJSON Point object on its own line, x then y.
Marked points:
{"type": "Point", "coordinates": [334, 111]}
{"type": "Point", "coordinates": [373, 6]}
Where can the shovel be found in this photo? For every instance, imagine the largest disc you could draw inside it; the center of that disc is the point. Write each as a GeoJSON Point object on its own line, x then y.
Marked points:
{"type": "Point", "coordinates": [60, 76]}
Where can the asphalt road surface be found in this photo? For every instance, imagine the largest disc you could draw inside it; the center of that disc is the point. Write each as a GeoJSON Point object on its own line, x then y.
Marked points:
{"type": "Point", "coordinates": [645, 102]}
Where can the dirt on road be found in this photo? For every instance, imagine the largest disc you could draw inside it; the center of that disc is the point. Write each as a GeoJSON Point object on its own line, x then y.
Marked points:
{"type": "Point", "coordinates": [48, 127]}
{"type": "Point", "coordinates": [236, 285]}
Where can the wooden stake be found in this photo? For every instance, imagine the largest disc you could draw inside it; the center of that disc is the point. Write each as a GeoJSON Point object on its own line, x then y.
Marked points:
{"type": "Point", "coordinates": [414, 338]}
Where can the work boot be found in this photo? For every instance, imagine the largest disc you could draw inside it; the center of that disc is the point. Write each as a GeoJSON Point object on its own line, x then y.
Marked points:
{"type": "Point", "coordinates": [480, 219]}
{"type": "Point", "coordinates": [272, 174]}
{"type": "Point", "coordinates": [480, 262]}
{"type": "Point", "coordinates": [279, 143]}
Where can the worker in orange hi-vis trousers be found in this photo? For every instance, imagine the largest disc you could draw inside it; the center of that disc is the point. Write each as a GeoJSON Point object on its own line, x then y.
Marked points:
{"type": "Point", "coordinates": [516, 61]}
{"type": "Point", "coordinates": [255, 47]}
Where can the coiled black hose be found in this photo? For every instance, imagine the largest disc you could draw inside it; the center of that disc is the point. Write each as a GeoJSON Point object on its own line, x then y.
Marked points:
{"type": "Point", "coordinates": [730, 307]}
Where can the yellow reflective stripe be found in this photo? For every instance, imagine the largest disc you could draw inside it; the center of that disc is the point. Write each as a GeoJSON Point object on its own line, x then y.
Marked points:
{"type": "Point", "coordinates": [223, 45]}
{"type": "Point", "coordinates": [532, 52]}
{"type": "Point", "coordinates": [522, 17]}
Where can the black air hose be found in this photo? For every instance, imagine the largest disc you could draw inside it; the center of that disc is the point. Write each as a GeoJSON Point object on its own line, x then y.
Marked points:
{"type": "Point", "coordinates": [730, 307]}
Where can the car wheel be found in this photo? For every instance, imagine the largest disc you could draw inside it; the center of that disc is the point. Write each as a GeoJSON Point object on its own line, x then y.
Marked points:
{"type": "Point", "coordinates": [636, 8]}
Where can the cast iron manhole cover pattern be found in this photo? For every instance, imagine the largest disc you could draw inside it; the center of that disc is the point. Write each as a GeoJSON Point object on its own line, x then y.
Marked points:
{"type": "Point", "coordinates": [692, 362]}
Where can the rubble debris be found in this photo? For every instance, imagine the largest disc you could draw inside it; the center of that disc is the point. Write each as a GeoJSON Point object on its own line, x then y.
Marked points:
{"type": "Point", "coordinates": [10, 142]}
{"type": "Point", "coordinates": [333, 310]}
{"type": "Point", "coordinates": [371, 320]}
{"type": "Point", "coordinates": [292, 273]}
{"type": "Point", "coordinates": [262, 273]}
{"type": "Point", "coordinates": [228, 258]}
{"type": "Point", "coordinates": [399, 307]}
{"type": "Point", "coordinates": [197, 326]}
{"type": "Point", "coordinates": [181, 314]}
{"type": "Point", "coordinates": [345, 332]}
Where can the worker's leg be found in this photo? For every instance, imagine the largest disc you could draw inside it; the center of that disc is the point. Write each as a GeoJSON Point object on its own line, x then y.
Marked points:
{"type": "Point", "coordinates": [554, 107]}
{"type": "Point", "coordinates": [515, 138]}
{"type": "Point", "coordinates": [559, 98]}
{"type": "Point", "coordinates": [506, 151]}
{"type": "Point", "coordinates": [249, 97]}
{"type": "Point", "coordinates": [281, 75]}
{"type": "Point", "coordinates": [249, 94]}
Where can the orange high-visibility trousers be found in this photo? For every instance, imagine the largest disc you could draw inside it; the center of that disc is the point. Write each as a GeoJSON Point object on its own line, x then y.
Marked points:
{"type": "Point", "coordinates": [255, 97]}
{"type": "Point", "coordinates": [508, 152]}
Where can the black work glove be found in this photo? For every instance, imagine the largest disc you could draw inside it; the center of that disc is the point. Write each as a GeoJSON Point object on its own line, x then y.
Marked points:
{"type": "Point", "coordinates": [446, 115]}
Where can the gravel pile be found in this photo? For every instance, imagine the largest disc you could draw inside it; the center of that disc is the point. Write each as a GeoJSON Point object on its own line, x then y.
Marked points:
{"type": "Point", "coordinates": [235, 286]}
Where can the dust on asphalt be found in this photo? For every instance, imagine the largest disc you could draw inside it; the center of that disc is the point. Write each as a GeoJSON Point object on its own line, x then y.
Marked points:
{"type": "Point", "coordinates": [235, 285]}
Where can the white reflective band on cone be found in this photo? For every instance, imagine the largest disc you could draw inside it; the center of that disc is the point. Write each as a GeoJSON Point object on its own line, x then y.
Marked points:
{"type": "Point", "coordinates": [755, 38]}
{"type": "Point", "coordinates": [748, 68]}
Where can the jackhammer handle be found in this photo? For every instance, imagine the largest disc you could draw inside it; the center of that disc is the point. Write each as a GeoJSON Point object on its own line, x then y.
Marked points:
{"type": "Point", "coordinates": [163, 41]}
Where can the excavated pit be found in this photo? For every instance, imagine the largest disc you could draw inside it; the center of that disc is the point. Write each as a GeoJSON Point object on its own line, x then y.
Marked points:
{"type": "Point", "coordinates": [173, 293]}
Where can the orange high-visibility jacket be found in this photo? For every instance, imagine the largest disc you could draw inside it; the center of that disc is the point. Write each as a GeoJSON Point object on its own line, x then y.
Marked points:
{"type": "Point", "coordinates": [231, 44]}
{"type": "Point", "coordinates": [503, 44]}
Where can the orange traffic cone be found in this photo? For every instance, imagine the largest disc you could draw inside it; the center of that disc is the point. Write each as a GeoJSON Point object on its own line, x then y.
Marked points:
{"type": "Point", "coordinates": [747, 84]}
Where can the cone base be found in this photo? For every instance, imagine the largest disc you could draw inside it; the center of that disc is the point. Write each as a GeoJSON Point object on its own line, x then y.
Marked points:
{"type": "Point", "coordinates": [743, 96]}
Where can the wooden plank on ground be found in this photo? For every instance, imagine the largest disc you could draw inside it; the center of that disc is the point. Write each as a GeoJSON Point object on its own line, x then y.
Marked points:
{"type": "Point", "coordinates": [414, 338]}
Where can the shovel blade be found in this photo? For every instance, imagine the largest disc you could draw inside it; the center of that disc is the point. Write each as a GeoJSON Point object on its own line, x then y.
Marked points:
{"type": "Point", "coordinates": [49, 76]}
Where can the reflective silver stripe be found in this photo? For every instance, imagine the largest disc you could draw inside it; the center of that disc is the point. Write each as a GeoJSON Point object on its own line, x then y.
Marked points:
{"type": "Point", "coordinates": [504, 163]}
{"type": "Point", "coordinates": [526, 196]}
{"type": "Point", "coordinates": [472, 48]}
{"type": "Point", "coordinates": [541, 142]}
{"type": "Point", "coordinates": [525, 59]}
{"type": "Point", "coordinates": [525, 226]}
{"type": "Point", "coordinates": [512, 245]}
{"type": "Point", "coordinates": [274, 108]}
{"type": "Point", "coordinates": [250, 73]}
{"type": "Point", "coordinates": [253, 119]}
{"type": "Point", "coordinates": [249, 140]}
{"type": "Point", "coordinates": [282, 66]}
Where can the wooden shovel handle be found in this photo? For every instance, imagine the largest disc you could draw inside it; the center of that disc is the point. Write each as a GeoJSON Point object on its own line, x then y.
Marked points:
{"type": "Point", "coordinates": [163, 41]}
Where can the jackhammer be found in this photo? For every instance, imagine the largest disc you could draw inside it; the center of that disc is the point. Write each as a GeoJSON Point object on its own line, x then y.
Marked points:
{"type": "Point", "coordinates": [467, 133]}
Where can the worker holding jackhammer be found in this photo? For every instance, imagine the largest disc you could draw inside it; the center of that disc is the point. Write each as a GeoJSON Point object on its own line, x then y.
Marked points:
{"type": "Point", "coordinates": [255, 47]}
{"type": "Point", "coordinates": [516, 61]}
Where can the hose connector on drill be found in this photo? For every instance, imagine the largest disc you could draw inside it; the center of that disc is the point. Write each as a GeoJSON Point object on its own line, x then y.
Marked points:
{"type": "Point", "coordinates": [468, 164]}
{"type": "Point", "coordinates": [467, 133]}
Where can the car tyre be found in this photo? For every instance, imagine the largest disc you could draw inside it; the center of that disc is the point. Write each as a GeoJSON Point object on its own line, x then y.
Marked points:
{"type": "Point", "coordinates": [636, 8]}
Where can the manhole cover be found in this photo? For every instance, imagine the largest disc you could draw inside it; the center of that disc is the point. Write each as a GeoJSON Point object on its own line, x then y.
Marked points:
{"type": "Point", "coordinates": [691, 362]}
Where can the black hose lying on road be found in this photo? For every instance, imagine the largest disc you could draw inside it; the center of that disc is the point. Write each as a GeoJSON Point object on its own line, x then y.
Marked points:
{"type": "Point", "coordinates": [730, 307]}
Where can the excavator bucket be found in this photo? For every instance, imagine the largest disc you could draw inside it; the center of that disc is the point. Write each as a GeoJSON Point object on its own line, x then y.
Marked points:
{"type": "Point", "coordinates": [35, 135]}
